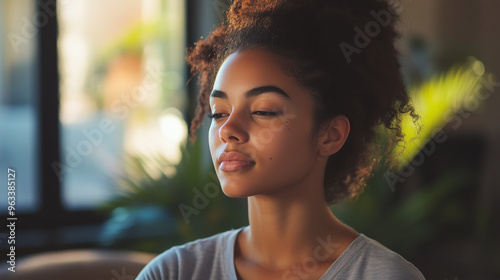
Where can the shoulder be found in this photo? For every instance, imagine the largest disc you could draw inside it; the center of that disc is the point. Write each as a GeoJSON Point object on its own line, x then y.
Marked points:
{"type": "Point", "coordinates": [204, 256]}
{"type": "Point", "coordinates": [368, 259]}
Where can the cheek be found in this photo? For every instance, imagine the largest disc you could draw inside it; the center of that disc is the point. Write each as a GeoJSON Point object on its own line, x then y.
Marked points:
{"type": "Point", "coordinates": [213, 139]}
{"type": "Point", "coordinates": [211, 135]}
{"type": "Point", "coordinates": [289, 146]}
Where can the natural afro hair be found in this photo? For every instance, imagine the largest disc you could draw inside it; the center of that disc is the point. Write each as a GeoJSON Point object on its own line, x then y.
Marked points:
{"type": "Point", "coordinates": [342, 51]}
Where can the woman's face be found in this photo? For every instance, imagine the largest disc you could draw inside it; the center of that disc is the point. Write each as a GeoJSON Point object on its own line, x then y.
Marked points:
{"type": "Point", "coordinates": [260, 135]}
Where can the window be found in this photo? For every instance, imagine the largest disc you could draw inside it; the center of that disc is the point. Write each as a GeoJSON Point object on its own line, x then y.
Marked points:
{"type": "Point", "coordinates": [18, 103]}
{"type": "Point", "coordinates": [122, 91]}
{"type": "Point", "coordinates": [84, 84]}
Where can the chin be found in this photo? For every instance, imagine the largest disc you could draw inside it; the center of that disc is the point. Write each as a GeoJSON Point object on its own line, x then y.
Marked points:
{"type": "Point", "coordinates": [236, 190]}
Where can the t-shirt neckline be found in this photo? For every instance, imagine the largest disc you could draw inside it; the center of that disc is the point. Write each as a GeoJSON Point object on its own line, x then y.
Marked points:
{"type": "Point", "coordinates": [334, 269]}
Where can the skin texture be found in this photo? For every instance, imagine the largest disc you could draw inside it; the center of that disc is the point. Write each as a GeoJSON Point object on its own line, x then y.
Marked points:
{"type": "Point", "coordinates": [284, 184]}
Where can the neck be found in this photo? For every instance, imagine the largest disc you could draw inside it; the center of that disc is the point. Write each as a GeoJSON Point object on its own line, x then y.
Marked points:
{"type": "Point", "coordinates": [287, 230]}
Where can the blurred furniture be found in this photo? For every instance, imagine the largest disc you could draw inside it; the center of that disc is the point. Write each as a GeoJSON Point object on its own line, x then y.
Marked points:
{"type": "Point", "coordinates": [78, 265]}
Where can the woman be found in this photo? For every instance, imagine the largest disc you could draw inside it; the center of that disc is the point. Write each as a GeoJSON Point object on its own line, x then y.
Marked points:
{"type": "Point", "coordinates": [295, 91]}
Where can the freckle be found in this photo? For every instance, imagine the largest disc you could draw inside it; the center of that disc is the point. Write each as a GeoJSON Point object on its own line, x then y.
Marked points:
{"type": "Point", "coordinates": [270, 158]}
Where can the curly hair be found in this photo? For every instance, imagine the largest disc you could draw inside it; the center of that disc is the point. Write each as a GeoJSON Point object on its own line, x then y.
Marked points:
{"type": "Point", "coordinates": [342, 51]}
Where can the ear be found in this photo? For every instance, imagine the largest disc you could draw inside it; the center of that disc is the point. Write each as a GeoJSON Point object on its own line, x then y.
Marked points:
{"type": "Point", "coordinates": [333, 135]}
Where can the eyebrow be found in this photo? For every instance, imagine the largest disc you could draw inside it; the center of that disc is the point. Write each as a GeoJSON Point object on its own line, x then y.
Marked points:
{"type": "Point", "coordinates": [253, 92]}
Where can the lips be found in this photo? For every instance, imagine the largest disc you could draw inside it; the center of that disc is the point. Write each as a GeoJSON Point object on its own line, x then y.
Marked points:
{"type": "Point", "coordinates": [234, 161]}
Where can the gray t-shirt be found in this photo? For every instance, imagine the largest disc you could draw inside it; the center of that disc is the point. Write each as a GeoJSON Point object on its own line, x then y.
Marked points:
{"type": "Point", "coordinates": [213, 258]}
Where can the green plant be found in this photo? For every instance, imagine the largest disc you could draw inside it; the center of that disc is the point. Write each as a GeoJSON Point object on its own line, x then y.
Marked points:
{"type": "Point", "coordinates": [407, 220]}
{"type": "Point", "coordinates": [149, 181]}
{"type": "Point", "coordinates": [437, 101]}
{"type": "Point", "coordinates": [391, 219]}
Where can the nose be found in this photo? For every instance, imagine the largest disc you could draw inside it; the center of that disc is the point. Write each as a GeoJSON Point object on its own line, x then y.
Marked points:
{"type": "Point", "coordinates": [233, 130]}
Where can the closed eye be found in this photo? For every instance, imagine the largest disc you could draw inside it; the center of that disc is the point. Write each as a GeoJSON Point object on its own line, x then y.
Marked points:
{"type": "Point", "coordinates": [266, 113]}
{"type": "Point", "coordinates": [215, 116]}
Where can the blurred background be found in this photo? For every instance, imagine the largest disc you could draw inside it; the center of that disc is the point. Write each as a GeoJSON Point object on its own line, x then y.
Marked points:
{"type": "Point", "coordinates": [94, 114]}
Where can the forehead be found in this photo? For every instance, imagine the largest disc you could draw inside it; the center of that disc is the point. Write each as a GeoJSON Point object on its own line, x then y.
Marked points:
{"type": "Point", "coordinates": [249, 68]}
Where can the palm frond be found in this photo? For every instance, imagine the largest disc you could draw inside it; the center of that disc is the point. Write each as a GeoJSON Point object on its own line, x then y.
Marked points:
{"type": "Point", "coordinates": [437, 102]}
